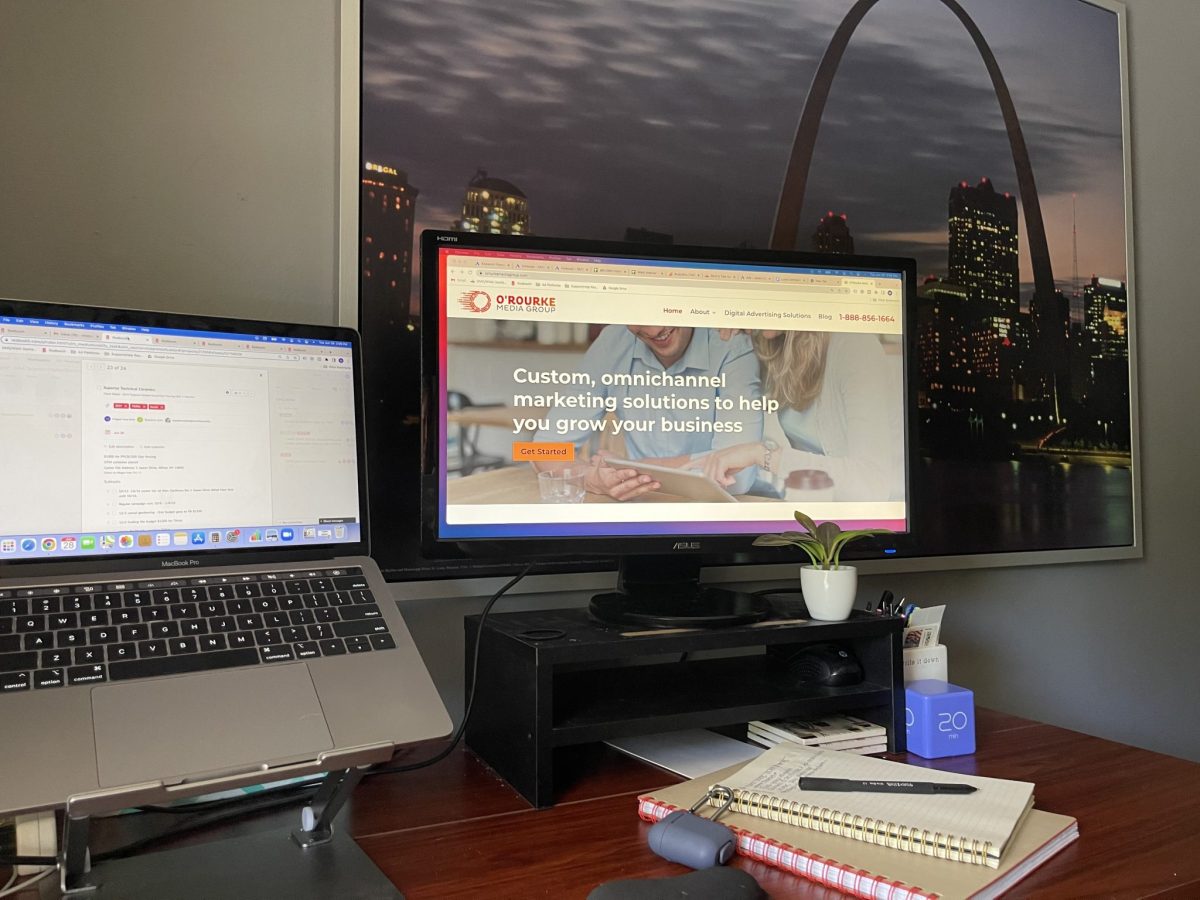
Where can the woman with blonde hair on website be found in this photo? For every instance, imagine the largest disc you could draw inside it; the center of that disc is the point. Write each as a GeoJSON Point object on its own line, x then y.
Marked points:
{"type": "Point", "coordinates": [838, 412]}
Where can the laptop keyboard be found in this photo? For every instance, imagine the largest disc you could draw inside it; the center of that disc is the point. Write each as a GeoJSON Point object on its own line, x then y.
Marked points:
{"type": "Point", "coordinates": [57, 636]}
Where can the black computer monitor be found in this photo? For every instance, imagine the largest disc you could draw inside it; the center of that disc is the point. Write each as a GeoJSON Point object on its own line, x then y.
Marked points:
{"type": "Point", "coordinates": [663, 405]}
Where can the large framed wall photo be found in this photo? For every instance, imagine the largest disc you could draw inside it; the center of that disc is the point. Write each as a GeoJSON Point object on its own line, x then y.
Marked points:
{"type": "Point", "coordinates": [987, 139]}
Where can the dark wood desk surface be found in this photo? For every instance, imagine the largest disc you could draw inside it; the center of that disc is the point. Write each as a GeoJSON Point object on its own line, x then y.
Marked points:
{"type": "Point", "coordinates": [457, 830]}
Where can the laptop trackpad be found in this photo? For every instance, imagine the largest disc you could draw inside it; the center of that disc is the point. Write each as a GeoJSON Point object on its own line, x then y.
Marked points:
{"type": "Point", "coordinates": [170, 728]}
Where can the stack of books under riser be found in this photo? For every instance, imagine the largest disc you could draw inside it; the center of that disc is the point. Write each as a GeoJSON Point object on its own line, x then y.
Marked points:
{"type": "Point", "coordinates": [835, 732]}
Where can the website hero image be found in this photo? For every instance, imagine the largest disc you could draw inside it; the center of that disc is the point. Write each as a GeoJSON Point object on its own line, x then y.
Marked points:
{"type": "Point", "coordinates": [611, 396]}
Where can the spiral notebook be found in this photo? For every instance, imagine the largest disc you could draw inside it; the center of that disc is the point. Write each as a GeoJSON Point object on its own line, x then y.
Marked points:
{"type": "Point", "coordinates": [969, 828]}
{"type": "Point", "coordinates": [867, 870]}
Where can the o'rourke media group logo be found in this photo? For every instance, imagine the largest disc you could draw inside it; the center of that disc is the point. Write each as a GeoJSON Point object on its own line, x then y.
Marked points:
{"type": "Point", "coordinates": [481, 302]}
{"type": "Point", "coordinates": [475, 301]}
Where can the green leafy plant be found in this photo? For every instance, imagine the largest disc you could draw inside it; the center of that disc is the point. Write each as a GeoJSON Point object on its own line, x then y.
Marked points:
{"type": "Point", "coordinates": [823, 543]}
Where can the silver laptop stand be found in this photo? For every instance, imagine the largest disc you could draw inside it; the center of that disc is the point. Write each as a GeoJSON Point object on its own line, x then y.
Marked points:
{"type": "Point", "coordinates": [313, 862]}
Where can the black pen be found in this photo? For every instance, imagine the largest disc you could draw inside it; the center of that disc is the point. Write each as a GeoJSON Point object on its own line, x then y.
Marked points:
{"type": "Point", "coordinates": [885, 603]}
{"type": "Point", "coordinates": [885, 787]}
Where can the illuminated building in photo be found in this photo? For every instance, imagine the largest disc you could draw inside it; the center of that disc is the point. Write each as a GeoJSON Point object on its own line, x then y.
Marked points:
{"type": "Point", "coordinates": [962, 359]}
{"type": "Point", "coordinates": [833, 235]}
{"type": "Point", "coordinates": [388, 207]}
{"type": "Point", "coordinates": [1106, 345]}
{"type": "Point", "coordinates": [942, 343]}
{"type": "Point", "coordinates": [1105, 307]}
{"type": "Point", "coordinates": [982, 230]}
{"type": "Point", "coordinates": [1102, 358]}
{"type": "Point", "coordinates": [493, 205]}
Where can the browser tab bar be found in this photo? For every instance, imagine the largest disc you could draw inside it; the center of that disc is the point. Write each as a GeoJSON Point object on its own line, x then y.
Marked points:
{"type": "Point", "coordinates": [501, 286]}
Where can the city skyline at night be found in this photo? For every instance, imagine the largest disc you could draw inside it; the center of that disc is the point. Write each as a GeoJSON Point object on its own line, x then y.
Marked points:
{"type": "Point", "coordinates": [669, 116]}
{"type": "Point", "coordinates": [680, 119]}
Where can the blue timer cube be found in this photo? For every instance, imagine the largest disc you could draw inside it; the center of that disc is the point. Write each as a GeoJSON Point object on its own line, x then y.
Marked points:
{"type": "Point", "coordinates": [940, 718]}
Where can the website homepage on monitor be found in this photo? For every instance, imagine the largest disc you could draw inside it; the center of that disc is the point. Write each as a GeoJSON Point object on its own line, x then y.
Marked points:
{"type": "Point", "coordinates": [603, 396]}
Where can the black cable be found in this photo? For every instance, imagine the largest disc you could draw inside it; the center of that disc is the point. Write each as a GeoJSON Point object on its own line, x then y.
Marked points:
{"type": "Point", "coordinates": [9, 861]}
{"type": "Point", "coordinates": [462, 726]}
{"type": "Point", "coordinates": [245, 806]}
{"type": "Point", "coordinates": [227, 808]}
{"type": "Point", "coordinates": [204, 821]}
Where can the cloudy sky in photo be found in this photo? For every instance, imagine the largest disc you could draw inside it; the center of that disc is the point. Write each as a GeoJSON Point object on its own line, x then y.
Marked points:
{"type": "Point", "coordinates": [678, 115]}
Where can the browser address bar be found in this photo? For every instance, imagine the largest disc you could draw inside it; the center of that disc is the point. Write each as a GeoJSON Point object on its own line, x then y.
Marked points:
{"type": "Point", "coordinates": [17, 340]}
{"type": "Point", "coordinates": [726, 295]}
{"type": "Point", "coordinates": [662, 289]}
{"type": "Point", "coordinates": [129, 351]}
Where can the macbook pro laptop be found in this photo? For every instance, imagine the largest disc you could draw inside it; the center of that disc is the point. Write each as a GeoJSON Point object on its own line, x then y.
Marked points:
{"type": "Point", "coordinates": [186, 594]}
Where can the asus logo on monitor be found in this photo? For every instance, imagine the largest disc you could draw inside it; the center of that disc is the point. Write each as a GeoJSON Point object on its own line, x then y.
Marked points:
{"type": "Point", "coordinates": [686, 545]}
{"type": "Point", "coordinates": [176, 563]}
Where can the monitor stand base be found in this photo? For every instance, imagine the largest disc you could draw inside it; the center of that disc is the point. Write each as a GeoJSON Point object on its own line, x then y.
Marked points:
{"type": "Point", "coordinates": [692, 607]}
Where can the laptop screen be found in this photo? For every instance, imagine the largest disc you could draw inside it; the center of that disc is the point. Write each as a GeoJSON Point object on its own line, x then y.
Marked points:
{"type": "Point", "coordinates": [122, 439]}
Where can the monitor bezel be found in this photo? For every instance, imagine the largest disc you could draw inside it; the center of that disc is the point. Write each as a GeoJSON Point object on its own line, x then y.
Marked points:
{"type": "Point", "coordinates": [722, 549]}
{"type": "Point", "coordinates": [179, 563]}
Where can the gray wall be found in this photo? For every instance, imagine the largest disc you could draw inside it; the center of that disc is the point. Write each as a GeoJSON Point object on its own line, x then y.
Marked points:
{"type": "Point", "coordinates": [126, 177]}
{"type": "Point", "coordinates": [173, 154]}
{"type": "Point", "coordinates": [1111, 649]}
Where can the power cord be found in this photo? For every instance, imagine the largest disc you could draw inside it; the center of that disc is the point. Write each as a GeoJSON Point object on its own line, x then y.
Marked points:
{"type": "Point", "coordinates": [256, 804]}
{"type": "Point", "coordinates": [15, 861]}
{"type": "Point", "coordinates": [263, 801]}
{"type": "Point", "coordinates": [10, 858]}
{"type": "Point", "coordinates": [10, 888]}
{"type": "Point", "coordinates": [462, 726]}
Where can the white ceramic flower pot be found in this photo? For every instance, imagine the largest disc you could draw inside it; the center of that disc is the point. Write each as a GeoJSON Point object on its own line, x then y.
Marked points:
{"type": "Point", "coordinates": [829, 593]}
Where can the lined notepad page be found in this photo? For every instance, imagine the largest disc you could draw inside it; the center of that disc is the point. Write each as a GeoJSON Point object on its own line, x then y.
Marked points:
{"type": "Point", "coordinates": [990, 814]}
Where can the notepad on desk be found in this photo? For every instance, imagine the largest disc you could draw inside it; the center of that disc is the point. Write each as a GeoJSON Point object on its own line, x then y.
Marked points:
{"type": "Point", "coordinates": [973, 827]}
{"type": "Point", "coordinates": [868, 870]}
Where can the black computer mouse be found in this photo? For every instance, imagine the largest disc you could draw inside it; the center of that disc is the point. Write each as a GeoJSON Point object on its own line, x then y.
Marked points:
{"type": "Point", "coordinates": [829, 665]}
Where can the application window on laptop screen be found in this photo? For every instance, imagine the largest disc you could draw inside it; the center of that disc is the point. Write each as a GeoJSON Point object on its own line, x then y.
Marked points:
{"type": "Point", "coordinates": [122, 439]}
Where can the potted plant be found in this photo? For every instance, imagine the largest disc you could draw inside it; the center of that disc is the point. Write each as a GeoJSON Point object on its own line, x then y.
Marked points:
{"type": "Point", "coordinates": [829, 588]}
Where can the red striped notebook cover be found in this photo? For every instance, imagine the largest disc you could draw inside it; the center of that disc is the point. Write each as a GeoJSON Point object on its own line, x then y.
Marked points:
{"type": "Point", "coordinates": [846, 878]}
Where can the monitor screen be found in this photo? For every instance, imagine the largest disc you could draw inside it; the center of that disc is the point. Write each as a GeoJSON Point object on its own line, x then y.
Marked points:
{"type": "Point", "coordinates": [654, 398]}
{"type": "Point", "coordinates": [130, 434]}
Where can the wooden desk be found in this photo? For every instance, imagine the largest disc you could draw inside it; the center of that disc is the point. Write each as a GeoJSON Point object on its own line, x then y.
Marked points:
{"type": "Point", "coordinates": [456, 830]}
{"type": "Point", "coordinates": [1139, 821]}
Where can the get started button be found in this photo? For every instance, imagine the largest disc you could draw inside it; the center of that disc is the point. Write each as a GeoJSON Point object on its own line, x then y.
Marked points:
{"type": "Point", "coordinates": [542, 451]}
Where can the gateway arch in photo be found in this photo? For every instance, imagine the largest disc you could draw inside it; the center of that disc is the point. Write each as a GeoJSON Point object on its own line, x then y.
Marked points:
{"type": "Point", "coordinates": [1048, 311]}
